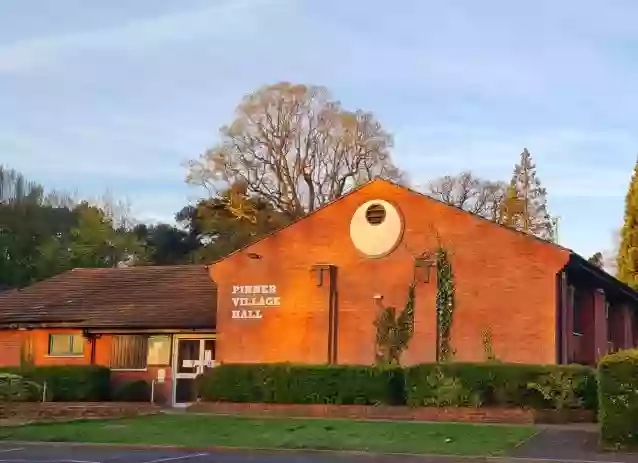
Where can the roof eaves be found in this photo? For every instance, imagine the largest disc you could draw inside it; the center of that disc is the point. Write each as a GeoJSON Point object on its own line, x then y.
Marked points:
{"type": "Point", "coordinates": [576, 260]}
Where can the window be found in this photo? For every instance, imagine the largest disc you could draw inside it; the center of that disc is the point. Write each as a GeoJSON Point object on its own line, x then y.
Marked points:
{"type": "Point", "coordinates": [159, 350]}
{"type": "Point", "coordinates": [129, 352]}
{"type": "Point", "coordinates": [66, 345]}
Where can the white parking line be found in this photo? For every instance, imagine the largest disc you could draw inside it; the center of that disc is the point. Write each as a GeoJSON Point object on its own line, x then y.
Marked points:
{"type": "Point", "coordinates": [182, 457]}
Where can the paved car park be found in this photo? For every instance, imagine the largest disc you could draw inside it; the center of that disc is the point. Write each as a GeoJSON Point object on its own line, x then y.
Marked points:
{"type": "Point", "coordinates": [70, 453]}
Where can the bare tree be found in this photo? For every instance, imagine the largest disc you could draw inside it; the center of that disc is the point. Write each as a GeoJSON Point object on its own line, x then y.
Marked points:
{"type": "Point", "coordinates": [471, 193]}
{"type": "Point", "coordinates": [117, 210]}
{"type": "Point", "coordinates": [296, 148]}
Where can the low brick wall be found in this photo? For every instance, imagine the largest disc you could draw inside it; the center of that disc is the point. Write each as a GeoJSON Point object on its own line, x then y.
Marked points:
{"type": "Point", "coordinates": [28, 412]}
{"type": "Point", "coordinates": [369, 412]}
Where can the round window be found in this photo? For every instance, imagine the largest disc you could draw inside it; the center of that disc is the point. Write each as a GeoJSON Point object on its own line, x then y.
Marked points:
{"type": "Point", "coordinates": [375, 214]}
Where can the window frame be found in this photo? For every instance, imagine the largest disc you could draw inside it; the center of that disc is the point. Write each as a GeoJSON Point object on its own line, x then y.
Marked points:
{"type": "Point", "coordinates": [146, 337]}
{"type": "Point", "coordinates": [69, 353]}
{"type": "Point", "coordinates": [169, 359]}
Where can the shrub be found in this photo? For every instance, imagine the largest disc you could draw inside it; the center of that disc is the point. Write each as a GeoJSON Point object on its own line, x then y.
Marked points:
{"type": "Point", "coordinates": [503, 384]}
{"type": "Point", "coordinates": [15, 388]}
{"type": "Point", "coordinates": [303, 384]}
{"type": "Point", "coordinates": [70, 383]}
{"type": "Point", "coordinates": [618, 397]}
{"type": "Point", "coordinates": [132, 391]}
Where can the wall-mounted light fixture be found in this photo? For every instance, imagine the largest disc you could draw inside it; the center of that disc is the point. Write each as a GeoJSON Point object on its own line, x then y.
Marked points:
{"type": "Point", "coordinates": [253, 255]}
{"type": "Point", "coordinates": [423, 266]}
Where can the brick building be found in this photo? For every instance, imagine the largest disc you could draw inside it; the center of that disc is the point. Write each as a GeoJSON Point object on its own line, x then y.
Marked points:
{"type": "Point", "coordinates": [150, 323]}
{"type": "Point", "coordinates": [310, 293]}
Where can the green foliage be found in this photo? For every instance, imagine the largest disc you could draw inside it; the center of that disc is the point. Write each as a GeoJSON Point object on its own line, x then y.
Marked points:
{"type": "Point", "coordinates": [167, 245]}
{"type": "Point", "coordinates": [15, 388]}
{"type": "Point", "coordinates": [132, 391]}
{"type": "Point", "coordinates": [488, 348]}
{"type": "Point", "coordinates": [444, 303]}
{"type": "Point", "coordinates": [393, 333]}
{"type": "Point", "coordinates": [70, 383]}
{"type": "Point", "coordinates": [452, 384]}
{"type": "Point", "coordinates": [449, 391]}
{"type": "Point", "coordinates": [559, 389]}
{"type": "Point", "coordinates": [42, 235]}
{"type": "Point", "coordinates": [618, 397]}
{"type": "Point", "coordinates": [214, 222]}
{"type": "Point", "coordinates": [627, 261]}
{"type": "Point", "coordinates": [502, 384]}
{"type": "Point", "coordinates": [301, 384]}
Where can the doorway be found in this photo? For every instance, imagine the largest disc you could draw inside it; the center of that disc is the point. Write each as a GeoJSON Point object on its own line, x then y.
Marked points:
{"type": "Point", "coordinates": [193, 356]}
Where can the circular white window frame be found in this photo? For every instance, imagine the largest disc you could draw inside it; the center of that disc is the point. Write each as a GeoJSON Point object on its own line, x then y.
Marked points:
{"type": "Point", "coordinates": [375, 241]}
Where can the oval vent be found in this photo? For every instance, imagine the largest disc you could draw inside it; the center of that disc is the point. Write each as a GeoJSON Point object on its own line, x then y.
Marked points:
{"type": "Point", "coordinates": [376, 228]}
{"type": "Point", "coordinates": [375, 214]}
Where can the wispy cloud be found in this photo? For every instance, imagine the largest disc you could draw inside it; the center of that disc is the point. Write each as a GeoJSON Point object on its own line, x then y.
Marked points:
{"type": "Point", "coordinates": [463, 85]}
{"type": "Point", "coordinates": [222, 19]}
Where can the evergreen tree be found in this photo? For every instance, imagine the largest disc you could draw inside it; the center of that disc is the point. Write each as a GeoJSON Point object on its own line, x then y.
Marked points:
{"type": "Point", "coordinates": [628, 251]}
{"type": "Point", "coordinates": [525, 205]}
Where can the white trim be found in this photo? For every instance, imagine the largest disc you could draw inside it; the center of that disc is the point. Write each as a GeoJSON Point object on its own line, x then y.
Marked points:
{"type": "Point", "coordinates": [174, 374]}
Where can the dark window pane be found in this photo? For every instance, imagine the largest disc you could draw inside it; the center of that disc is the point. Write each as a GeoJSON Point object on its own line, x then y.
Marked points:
{"type": "Point", "coordinates": [129, 352]}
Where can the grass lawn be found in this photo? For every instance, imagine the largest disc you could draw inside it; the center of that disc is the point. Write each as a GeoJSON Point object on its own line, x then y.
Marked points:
{"type": "Point", "coordinates": [202, 431]}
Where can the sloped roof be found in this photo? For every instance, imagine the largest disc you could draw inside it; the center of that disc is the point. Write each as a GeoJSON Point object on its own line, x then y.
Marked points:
{"type": "Point", "coordinates": [161, 297]}
{"type": "Point", "coordinates": [420, 194]}
{"type": "Point", "coordinates": [576, 261]}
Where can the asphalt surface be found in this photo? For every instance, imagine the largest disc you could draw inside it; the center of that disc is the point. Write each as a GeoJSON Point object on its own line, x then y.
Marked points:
{"type": "Point", "coordinates": [63, 453]}
{"type": "Point", "coordinates": [560, 446]}
{"type": "Point", "coordinates": [569, 446]}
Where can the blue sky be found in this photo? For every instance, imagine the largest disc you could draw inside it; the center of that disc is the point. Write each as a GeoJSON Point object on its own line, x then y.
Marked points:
{"type": "Point", "coordinates": [118, 94]}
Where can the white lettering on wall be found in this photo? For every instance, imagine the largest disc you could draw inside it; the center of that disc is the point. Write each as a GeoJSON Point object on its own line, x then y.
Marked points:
{"type": "Point", "coordinates": [255, 289]}
{"type": "Point", "coordinates": [249, 299]}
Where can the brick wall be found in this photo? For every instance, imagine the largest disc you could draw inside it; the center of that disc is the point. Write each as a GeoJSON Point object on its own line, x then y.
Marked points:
{"type": "Point", "coordinates": [369, 412]}
{"type": "Point", "coordinates": [23, 412]}
{"type": "Point", "coordinates": [504, 281]}
{"type": "Point", "coordinates": [10, 348]}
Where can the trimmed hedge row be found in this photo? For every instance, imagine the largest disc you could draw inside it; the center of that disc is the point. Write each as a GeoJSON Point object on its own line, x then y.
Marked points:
{"type": "Point", "coordinates": [429, 384]}
{"type": "Point", "coordinates": [618, 397]}
{"type": "Point", "coordinates": [69, 383]}
{"type": "Point", "coordinates": [300, 384]}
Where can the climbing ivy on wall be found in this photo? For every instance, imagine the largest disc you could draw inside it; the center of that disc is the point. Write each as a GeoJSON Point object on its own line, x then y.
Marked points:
{"type": "Point", "coordinates": [394, 331]}
{"type": "Point", "coordinates": [444, 303]}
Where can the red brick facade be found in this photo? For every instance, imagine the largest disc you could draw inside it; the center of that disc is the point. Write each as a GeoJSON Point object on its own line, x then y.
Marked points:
{"type": "Point", "coordinates": [97, 351]}
{"type": "Point", "coordinates": [505, 282]}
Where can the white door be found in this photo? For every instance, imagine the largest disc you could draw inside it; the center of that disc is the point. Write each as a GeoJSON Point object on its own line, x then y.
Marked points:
{"type": "Point", "coordinates": [193, 356]}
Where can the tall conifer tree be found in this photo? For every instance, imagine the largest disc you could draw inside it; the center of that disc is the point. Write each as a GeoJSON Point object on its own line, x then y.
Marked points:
{"type": "Point", "coordinates": [628, 251]}
{"type": "Point", "coordinates": [525, 206]}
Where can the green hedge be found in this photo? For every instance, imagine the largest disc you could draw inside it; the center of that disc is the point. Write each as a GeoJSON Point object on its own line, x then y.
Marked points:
{"type": "Point", "coordinates": [618, 397]}
{"type": "Point", "coordinates": [316, 384]}
{"type": "Point", "coordinates": [502, 384]}
{"type": "Point", "coordinates": [132, 391]}
{"type": "Point", "coordinates": [429, 384]}
{"type": "Point", "coordinates": [70, 383]}
{"type": "Point", "coordinates": [15, 388]}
